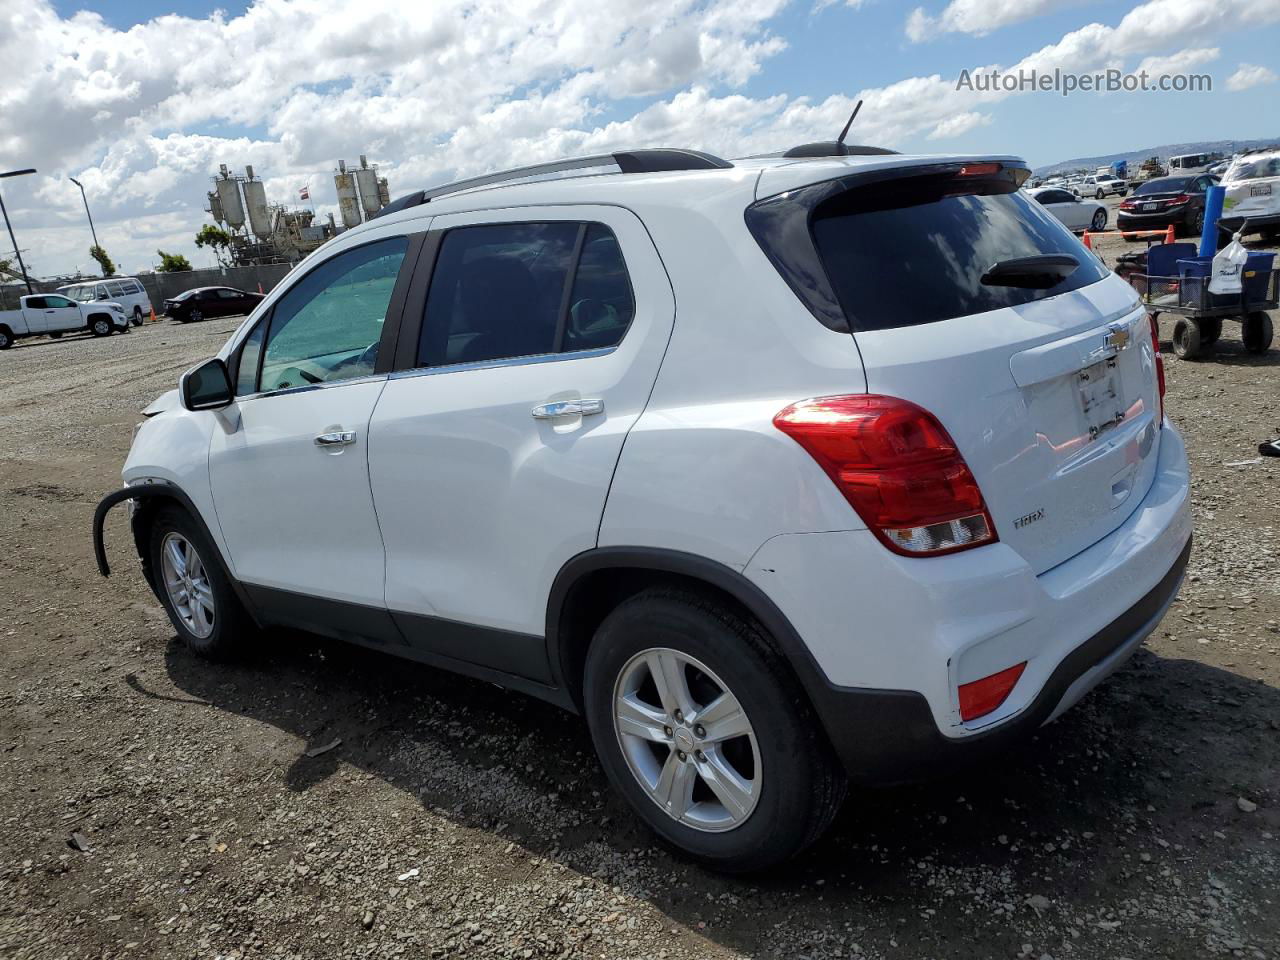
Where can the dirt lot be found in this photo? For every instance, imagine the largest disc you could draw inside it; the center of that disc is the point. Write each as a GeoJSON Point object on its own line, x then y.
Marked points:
{"type": "Point", "coordinates": [456, 819]}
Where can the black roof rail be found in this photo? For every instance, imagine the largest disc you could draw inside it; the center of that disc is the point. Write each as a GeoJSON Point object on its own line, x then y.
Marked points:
{"type": "Point", "coordinates": [627, 161]}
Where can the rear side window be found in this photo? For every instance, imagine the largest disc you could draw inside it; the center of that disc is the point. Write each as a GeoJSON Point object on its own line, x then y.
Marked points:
{"type": "Point", "coordinates": [913, 250]}
{"type": "Point", "coordinates": [500, 291]}
{"type": "Point", "coordinates": [116, 289]}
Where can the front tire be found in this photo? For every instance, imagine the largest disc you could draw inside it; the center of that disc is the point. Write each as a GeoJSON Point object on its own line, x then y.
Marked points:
{"type": "Point", "coordinates": [701, 726]}
{"type": "Point", "coordinates": [195, 589]}
{"type": "Point", "coordinates": [100, 327]}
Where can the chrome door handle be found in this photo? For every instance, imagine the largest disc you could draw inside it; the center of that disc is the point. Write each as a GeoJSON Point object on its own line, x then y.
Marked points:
{"type": "Point", "coordinates": [337, 439]}
{"type": "Point", "coordinates": [568, 408]}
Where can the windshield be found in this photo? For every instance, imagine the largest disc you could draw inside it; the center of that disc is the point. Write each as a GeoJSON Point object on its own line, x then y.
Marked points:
{"type": "Point", "coordinates": [915, 250]}
{"type": "Point", "coordinates": [1163, 185]}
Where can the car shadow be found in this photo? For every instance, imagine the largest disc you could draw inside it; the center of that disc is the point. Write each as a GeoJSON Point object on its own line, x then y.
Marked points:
{"type": "Point", "coordinates": [1162, 750]}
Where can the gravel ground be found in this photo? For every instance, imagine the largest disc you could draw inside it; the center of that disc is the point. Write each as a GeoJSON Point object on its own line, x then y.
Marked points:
{"type": "Point", "coordinates": [158, 806]}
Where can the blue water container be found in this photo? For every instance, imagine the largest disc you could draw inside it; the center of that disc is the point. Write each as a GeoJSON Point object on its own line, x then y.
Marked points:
{"type": "Point", "coordinates": [1193, 283]}
{"type": "Point", "coordinates": [1257, 276]}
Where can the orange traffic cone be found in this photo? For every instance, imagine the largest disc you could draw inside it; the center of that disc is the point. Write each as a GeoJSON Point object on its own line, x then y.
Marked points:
{"type": "Point", "coordinates": [153, 314]}
{"type": "Point", "coordinates": [260, 284]}
{"type": "Point", "coordinates": [1170, 236]}
{"type": "Point", "coordinates": [1088, 245]}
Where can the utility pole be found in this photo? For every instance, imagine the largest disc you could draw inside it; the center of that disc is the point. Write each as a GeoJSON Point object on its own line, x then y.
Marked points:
{"type": "Point", "coordinates": [87, 213]}
{"type": "Point", "coordinates": [12, 239]}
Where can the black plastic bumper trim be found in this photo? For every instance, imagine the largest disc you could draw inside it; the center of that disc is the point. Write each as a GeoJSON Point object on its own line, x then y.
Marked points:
{"type": "Point", "coordinates": [889, 736]}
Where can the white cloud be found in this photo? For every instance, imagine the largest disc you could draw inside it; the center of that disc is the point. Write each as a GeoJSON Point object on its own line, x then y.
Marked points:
{"type": "Point", "coordinates": [144, 116]}
{"type": "Point", "coordinates": [978, 16]}
{"type": "Point", "coordinates": [1179, 62]}
{"type": "Point", "coordinates": [1250, 75]}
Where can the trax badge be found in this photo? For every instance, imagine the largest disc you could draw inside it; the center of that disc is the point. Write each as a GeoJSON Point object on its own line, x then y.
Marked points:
{"type": "Point", "coordinates": [1118, 338]}
{"type": "Point", "coordinates": [1030, 518]}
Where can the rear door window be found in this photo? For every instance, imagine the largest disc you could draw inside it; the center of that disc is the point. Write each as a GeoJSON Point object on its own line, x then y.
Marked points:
{"type": "Point", "coordinates": [501, 291]}
{"type": "Point", "coordinates": [116, 289]}
{"type": "Point", "coordinates": [914, 250]}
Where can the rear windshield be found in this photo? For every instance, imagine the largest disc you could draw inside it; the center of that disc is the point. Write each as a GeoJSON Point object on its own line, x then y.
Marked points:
{"type": "Point", "coordinates": [913, 250]}
{"type": "Point", "coordinates": [1163, 185]}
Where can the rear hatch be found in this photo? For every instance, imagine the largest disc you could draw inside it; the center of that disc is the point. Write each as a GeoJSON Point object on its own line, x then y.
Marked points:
{"type": "Point", "coordinates": [1049, 388]}
{"type": "Point", "coordinates": [1253, 188]}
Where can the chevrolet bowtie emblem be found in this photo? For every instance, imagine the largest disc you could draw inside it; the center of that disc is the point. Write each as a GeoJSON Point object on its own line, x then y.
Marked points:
{"type": "Point", "coordinates": [1118, 338]}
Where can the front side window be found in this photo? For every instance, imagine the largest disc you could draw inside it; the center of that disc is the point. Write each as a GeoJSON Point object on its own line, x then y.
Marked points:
{"type": "Point", "coordinates": [328, 325]}
{"type": "Point", "coordinates": [247, 364]}
{"type": "Point", "coordinates": [501, 291]}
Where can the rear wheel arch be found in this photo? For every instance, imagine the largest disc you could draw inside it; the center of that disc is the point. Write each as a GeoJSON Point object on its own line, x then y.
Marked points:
{"type": "Point", "coordinates": [594, 583]}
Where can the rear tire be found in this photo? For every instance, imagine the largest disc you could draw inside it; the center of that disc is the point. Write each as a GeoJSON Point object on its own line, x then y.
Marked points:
{"type": "Point", "coordinates": [1099, 221]}
{"type": "Point", "coordinates": [789, 784]}
{"type": "Point", "coordinates": [1210, 331]}
{"type": "Point", "coordinates": [1099, 195]}
{"type": "Point", "coordinates": [1193, 225]}
{"type": "Point", "coordinates": [56, 335]}
{"type": "Point", "coordinates": [137, 316]}
{"type": "Point", "coordinates": [1257, 331]}
{"type": "Point", "coordinates": [6, 338]}
{"type": "Point", "coordinates": [1186, 339]}
{"type": "Point", "coordinates": [194, 316]}
{"type": "Point", "coordinates": [216, 625]}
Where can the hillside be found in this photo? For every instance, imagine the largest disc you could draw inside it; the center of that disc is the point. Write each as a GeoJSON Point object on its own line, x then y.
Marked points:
{"type": "Point", "coordinates": [1164, 151]}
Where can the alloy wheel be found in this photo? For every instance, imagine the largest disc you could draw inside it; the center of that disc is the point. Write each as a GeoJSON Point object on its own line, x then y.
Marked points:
{"type": "Point", "coordinates": [187, 583]}
{"type": "Point", "coordinates": [687, 740]}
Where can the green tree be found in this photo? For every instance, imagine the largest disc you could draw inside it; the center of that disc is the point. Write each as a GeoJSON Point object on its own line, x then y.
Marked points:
{"type": "Point", "coordinates": [104, 260]}
{"type": "Point", "coordinates": [216, 239]}
{"type": "Point", "coordinates": [172, 262]}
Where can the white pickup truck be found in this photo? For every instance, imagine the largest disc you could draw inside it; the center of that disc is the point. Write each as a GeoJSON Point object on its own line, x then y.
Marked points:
{"type": "Point", "coordinates": [52, 314]}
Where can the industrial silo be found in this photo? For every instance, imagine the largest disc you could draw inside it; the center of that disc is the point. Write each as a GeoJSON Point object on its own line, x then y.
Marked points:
{"type": "Point", "coordinates": [229, 197]}
{"type": "Point", "coordinates": [368, 182]}
{"type": "Point", "coordinates": [348, 202]}
{"type": "Point", "coordinates": [255, 198]}
{"type": "Point", "coordinates": [215, 207]}
{"type": "Point", "coordinates": [384, 191]}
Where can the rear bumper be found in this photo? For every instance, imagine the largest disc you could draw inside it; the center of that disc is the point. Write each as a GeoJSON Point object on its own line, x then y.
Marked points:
{"type": "Point", "coordinates": [906, 744]}
{"type": "Point", "coordinates": [892, 638]}
{"type": "Point", "coordinates": [1141, 221]}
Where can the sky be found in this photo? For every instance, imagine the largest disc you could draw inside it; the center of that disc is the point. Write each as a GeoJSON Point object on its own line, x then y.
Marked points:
{"type": "Point", "coordinates": [141, 100]}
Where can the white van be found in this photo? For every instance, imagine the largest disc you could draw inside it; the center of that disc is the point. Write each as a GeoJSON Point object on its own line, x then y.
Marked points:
{"type": "Point", "coordinates": [126, 291]}
{"type": "Point", "coordinates": [1191, 163]}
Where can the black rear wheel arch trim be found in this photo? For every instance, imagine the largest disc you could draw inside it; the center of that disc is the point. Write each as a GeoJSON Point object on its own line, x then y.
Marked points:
{"type": "Point", "coordinates": [688, 565]}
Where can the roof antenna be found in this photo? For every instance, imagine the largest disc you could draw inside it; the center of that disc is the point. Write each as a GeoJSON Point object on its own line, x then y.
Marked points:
{"type": "Point", "coordinates": [845, 132]}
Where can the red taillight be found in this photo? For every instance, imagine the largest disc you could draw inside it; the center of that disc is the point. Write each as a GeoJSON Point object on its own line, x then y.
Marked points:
{"type": "Point", "coordinates": [1180, 198]}
{"type": "Point", "coordinates": [1155, 346]}
{"type": "Point", "coordinates": [1128, 204]}
{"type": "Point", "coordinates": [980, 697]}
{"type": "Point", "coordinates": [979, 170]}
{"type": "Point", "coordinates": [897, 466]}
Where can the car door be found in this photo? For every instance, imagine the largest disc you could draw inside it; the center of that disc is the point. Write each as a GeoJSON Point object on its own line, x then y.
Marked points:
{"type": "Point", "coordinates": [61, 313]}
{"type": "Point", "coordinates": [492, 447]}
{"type": "Point", "coordinates": [288, 465]}
{"type": "Point", "coordinates": [225, 302]}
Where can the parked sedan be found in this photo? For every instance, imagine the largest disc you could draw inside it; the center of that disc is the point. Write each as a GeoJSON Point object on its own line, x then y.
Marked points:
{"type": "Point", "coordinates": [201, 303]}
{"type": "Point", "coordinates": [1075, 213]}
{"type": "Point", "coordinates": [1167, 200]}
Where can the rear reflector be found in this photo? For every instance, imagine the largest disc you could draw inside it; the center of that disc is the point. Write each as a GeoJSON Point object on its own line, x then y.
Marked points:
{"type": "Point", "coordinates": [979, 698]}
{"type": "Point", "coordinates": [899, 469]}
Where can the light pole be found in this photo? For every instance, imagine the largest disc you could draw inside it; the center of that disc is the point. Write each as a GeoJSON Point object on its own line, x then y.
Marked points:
{"type": "Point", "coordinates": [16, 251]}
{"type": "Point", "coordinates": [87, 213]}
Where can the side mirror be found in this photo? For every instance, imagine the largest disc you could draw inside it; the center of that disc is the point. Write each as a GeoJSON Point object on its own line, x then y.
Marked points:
{"type": "Point", "coordinates": [206, 387]}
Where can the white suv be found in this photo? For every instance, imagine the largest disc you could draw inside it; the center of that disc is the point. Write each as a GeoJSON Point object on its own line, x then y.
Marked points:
{"type": "Point", "coordinates": [781, 472]}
